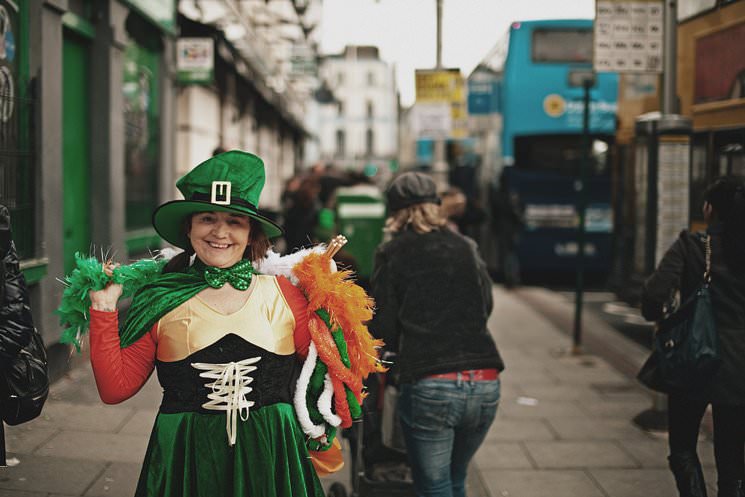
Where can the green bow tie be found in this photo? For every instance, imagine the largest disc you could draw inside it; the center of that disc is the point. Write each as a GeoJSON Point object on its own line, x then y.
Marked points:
{"type": "Point", "coordinates": [239, 275]}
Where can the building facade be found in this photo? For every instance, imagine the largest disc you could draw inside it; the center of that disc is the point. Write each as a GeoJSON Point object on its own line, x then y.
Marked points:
{"type": "Point", "coordinates": [359, 126]}
{"type": "Point", "coordinates": [95, 127]}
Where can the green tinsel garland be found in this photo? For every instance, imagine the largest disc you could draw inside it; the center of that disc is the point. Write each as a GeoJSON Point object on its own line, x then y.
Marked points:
{"type": "Point", "coordinates": [88, 275]}
{"type": "Point", "coordinates": [338, 335]}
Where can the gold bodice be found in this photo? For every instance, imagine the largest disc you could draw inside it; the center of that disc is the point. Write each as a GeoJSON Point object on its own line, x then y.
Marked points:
{"type": "Point", "coordinates": [265, 320]}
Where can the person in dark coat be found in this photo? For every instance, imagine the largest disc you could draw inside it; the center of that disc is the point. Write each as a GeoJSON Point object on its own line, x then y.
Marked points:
{"type": "Point", "coordinates": [682, 269]}
{"type": "Point", "coordinates": [301, 213]}
{"type": "Point", "coordinates": [507, 221]}
{"type": "Point", "coordinates": [16, 323]}
{"type": "Point", "coordinates": [433, 297]}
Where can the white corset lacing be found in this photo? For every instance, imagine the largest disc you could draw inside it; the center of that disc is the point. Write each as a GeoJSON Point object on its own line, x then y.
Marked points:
{"type": "Point", "coordinates": [229, 390]}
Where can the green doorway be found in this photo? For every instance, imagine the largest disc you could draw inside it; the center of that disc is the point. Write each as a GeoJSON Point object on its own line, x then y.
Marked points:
{"type": "Point", "coordinates": [75, 148]}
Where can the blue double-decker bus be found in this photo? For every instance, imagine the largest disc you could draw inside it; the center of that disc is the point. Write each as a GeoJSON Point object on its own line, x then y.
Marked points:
{"type": "Point", "coordinates": [541, 142]}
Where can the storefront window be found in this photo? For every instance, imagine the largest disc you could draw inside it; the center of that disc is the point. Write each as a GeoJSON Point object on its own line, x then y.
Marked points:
{"type": "Point", "coordinates": [729, 152]}
{"type": "Point", "coordinates": [142, 124]}
{"type": "Point", "coordinates": [17, 170]}
{"type": "Point", "coordinates": [699, 178]}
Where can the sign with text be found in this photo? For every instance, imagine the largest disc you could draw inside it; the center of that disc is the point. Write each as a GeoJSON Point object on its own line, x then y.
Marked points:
{"type": "Point", "coordinates": [446, 86]}
{"type": "Point", "coordinates": [628, 36]}
{"type": "Point", "coordinates": [432, 120]}
{"type": "Point", "coordinates": [433, 85]}
{"type": "Point", "coordinates": [195, 60]}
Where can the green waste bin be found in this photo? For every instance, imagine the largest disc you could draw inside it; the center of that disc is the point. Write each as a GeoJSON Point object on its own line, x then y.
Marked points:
{"type": "Point", "coordinates": [360, 216]}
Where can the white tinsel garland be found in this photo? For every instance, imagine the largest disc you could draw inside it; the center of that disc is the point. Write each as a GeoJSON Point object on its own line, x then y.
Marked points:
{"type": "Point", "coordinates": [301, 407]}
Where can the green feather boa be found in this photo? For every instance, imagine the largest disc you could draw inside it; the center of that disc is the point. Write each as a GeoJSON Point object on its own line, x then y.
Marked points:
{"type": "Point", "coordinates": [88, 275]}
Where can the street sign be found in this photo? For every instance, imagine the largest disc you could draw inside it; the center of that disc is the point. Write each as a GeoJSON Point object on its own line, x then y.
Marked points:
{"type": "Point", "coordinates": [195, 60]}
{"type": "Point", "coordinates": [435, 87]}
{"type": "Point", "coordinates": [432, 120]}
{"type": "Point", "coordinates": [628, 36]}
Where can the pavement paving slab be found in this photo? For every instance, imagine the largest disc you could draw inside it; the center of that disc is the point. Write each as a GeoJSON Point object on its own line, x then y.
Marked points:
{"type": "Point", "coordinates": [636, 482]}
{"type": "Point", "coordinates": [119, 479]}
{"type": "Point", "coordinates": [90, 446]}
{"type": "Point", "coordinates": [51, 474]}
{"type": "Point", "coordinates": [561, 454]}
{"type": "Point", "coordinates": [517, 430]}
{"type": "Point", "coordinates": [540, 483]}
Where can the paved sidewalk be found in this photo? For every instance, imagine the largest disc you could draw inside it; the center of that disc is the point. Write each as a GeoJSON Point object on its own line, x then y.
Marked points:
{"type": "Point", "coordinates": [563, 428]}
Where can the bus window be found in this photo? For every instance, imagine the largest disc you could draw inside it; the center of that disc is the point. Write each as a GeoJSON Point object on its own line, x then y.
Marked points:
{"type": "Point", "coordinates": [599, 157]}
{"type": "Point", "coordinates": [562, 45]}
{"type": "Point", "coordinates": [560, 154]}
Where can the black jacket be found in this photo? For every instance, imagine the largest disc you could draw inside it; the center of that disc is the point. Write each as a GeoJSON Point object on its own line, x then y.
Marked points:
{"type": "Point", "coordinates": [16, 324]}
{"type": "Point", "coordinates": [433, 298]}
{"type": "Point", "coordinates": [682, 268]}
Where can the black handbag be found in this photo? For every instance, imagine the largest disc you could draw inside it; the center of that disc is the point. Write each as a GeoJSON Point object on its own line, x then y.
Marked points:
{"type": "Point", "coordinates": [685, 353]}
{"type": "Point", "coordinates": [24, 385]}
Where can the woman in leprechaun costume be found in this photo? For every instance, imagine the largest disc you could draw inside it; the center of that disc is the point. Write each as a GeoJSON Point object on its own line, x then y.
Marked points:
{"type": "Point", "coordinates": [229, 342]}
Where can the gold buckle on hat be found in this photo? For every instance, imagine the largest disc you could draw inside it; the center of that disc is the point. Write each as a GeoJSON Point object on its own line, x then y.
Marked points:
{"type": "Point", "coordinates": [220, 192]}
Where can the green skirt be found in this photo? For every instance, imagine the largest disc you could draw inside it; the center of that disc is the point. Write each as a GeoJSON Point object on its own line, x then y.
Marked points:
{"type": "Point", "coordinates": [189, 456]}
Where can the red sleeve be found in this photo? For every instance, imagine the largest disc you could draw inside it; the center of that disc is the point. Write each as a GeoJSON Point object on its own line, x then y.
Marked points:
{"type": "Point", "coordinates": [299, 306]}
{"type": "Point", "coordinates": [119, 373]}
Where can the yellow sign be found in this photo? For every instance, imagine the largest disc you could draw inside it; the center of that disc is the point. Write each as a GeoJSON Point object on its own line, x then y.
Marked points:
{"type": "Point", "coordinates": [554, 105]}
{"type": "Point", "coordinates": [438, 86]}
{"type": "Point", "coordinates": [445, 86]}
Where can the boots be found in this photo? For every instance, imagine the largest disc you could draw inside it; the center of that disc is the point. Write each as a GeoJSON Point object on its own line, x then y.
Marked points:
{"type": "Point", "coordinates": [688, 474]}
{"type": "Point", "coordinates": [732, 488]}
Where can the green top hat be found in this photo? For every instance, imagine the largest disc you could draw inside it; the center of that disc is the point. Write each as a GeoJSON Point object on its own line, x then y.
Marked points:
{"type": "Point", "coordinates": [228, 182]}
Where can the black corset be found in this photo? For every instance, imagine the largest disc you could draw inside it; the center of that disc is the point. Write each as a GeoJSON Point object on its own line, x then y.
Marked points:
{"type": "Point", "coordinates": [184, 390]}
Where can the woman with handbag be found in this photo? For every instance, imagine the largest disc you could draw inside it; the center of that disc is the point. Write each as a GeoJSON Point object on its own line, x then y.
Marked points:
{"type": "Point", "coordinates": [681, 269]}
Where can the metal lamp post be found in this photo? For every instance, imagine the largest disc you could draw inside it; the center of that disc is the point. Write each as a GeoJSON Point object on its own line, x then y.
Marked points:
{"type": "Point", "coordinates": [586, 79]}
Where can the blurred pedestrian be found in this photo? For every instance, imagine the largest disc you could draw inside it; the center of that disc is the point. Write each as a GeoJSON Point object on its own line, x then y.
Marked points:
{"type": "Point", "coordinates": [302, 207]}
{"type": "Point", "coordinates": [681, 269]}
{"type": "Point", "coordinates": [225, 341]}
{"type": "Point", "coordinates": [507, 220]}
{"type": "Point", "coordinates": [453, 206]}
{"type": "Point", "coordinates": [434, 297]}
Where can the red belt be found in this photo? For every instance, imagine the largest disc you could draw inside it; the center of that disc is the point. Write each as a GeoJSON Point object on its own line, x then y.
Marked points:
{"type": "Point", "coordinates": [468, 374]}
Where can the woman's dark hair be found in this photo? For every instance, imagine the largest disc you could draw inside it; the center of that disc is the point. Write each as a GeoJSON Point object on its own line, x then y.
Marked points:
{"type": "Point", "coordinates": [258, 246]}
{"type": "Point", "coordinates": [727, 198]}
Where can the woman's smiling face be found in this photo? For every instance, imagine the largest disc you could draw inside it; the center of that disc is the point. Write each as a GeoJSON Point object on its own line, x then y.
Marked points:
{"type": "Point", "coordinates": [219, 238]}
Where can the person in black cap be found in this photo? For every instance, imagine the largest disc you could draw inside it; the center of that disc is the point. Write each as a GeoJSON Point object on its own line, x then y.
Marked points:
{"type": "Point", "coordinates": [433, 297]}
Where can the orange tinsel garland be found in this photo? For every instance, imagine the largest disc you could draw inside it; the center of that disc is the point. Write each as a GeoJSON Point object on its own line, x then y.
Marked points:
{"type": "Point", "coordinates": [330, 356]}
{"type": "Point", "coordinates": [349, 307]}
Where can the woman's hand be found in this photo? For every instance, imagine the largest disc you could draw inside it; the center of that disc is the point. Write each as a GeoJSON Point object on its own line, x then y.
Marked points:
{"type": "Point", "coordinates": [106, 299]}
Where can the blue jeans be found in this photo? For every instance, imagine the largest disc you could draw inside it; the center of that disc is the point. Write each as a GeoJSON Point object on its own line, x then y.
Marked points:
{"type": "Point", "coordinates": [444, 423]}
